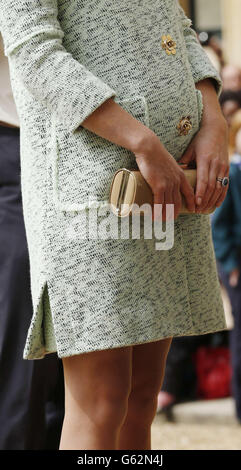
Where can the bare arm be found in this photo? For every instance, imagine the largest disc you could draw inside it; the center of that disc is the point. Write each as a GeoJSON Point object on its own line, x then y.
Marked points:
{"type": "Point", "coordinates": [115, 124]}
{"type": "Point", "coordinates": [211, 106]}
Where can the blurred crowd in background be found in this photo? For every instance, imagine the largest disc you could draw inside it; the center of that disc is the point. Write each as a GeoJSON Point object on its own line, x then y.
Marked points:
{"type": "Point", "coordinates": [206, 367]}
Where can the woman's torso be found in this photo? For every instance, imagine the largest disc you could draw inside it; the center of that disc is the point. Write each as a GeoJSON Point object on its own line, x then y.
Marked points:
{"type": "Point", "coordinates": [120, 42]}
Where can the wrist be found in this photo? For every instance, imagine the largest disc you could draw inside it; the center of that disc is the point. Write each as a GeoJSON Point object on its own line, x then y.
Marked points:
{"type": "Point", "coordinates": [143, 143]}
{"type": "Point", "coordinates": [215, 119]}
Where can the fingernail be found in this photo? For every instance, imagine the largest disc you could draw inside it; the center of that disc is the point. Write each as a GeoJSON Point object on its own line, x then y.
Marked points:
{"type": "Point", "coordinates": [199, 201]}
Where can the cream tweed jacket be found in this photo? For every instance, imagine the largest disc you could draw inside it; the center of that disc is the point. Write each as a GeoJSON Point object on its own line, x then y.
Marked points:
{"type": "Point", "coordinates": [66, 58]}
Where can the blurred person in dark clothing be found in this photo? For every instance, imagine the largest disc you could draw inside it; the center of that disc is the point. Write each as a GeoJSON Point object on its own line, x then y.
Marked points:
{"type": "Point", "coordinates": [31, 392]}
{"type": "Point", "coordinates": [226, 226]}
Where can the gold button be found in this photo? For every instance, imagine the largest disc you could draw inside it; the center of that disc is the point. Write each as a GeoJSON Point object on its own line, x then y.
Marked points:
{"type": "Point", "coordinates": [184, 126]}
{"type": "Point", "coordinates": [169, 44]}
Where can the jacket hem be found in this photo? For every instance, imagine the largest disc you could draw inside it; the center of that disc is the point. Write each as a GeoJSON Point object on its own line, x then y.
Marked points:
{"type": "Point", "coordinates": [81, 350]}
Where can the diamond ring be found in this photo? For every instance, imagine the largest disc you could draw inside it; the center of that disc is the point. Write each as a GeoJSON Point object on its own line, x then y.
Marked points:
{"type": "Point", "coordinates": [224, 180]}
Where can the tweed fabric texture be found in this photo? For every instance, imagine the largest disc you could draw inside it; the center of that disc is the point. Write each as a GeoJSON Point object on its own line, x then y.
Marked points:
{"type": "Point", "coordinates": [66, 58]}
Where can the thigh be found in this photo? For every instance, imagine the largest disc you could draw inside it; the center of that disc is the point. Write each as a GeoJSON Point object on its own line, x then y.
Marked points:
{"type": "Point", "coordinates": [105, 373]}
{"type": "Point", "coordinates": [148, 365]}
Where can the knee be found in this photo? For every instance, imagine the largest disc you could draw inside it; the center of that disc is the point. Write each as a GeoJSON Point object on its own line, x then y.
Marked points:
{"type": "Point", "coordinates": [105, 407]}
{"type": "Point", "coordinates": [143, 403]}
{"type": "Point", "coordinates": [111, 409]}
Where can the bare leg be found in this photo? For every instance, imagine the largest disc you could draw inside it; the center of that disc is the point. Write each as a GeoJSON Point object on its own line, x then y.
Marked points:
{"type": "Point", "coordinates": [148, 367]}
{"type": "Point", "coordinates": [97, 387]}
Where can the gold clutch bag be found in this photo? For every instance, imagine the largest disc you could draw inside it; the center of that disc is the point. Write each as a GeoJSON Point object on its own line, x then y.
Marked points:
{"type": "Point", "coordinates": [129, 188]}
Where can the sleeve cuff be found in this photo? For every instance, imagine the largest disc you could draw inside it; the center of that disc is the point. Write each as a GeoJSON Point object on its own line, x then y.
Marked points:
{"type": "Point", "coordinates": [216, 80]}
{"type": "Point", "coordinates": [81, 111]}
{"type": "Point", "coordinates": [202, 68]}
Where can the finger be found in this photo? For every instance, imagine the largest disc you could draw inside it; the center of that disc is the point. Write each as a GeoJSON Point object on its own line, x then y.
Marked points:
{"type": "Point", "coordinates": [168, 199]}
{"type": "Point", "coordinates": [177, 198]}
{"type": "Point", "coordinates": [188, 192]}
{"type": "Point", "coordinates": [163, 209]}
{"type": "Point", "coordinates": [213, 189]}
{"type": "Point", "coordinates": [221, 198]}
{"type": "Point", "coordinates": [158, 201]}
{"type": "Point", "coordinates": [220, 191]}
{"type": "Point", "coordinates": [212, 202]}
{"type": "Point", "coordinates": [202, 181]}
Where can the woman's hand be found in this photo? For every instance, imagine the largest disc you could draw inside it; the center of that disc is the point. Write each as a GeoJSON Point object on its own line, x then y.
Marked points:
{"type": "Point", "coordinates": [163, 174]}
{"type": "Point", "coordinates": [209, 148]}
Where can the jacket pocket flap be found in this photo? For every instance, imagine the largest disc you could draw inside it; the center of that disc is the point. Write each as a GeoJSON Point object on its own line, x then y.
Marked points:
{"type": "Point", "coordinates": [84, 163]}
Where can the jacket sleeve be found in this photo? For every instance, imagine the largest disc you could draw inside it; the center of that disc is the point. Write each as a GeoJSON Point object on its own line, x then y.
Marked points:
{"type": "Point", "coordinates": [199, 61]}
{"type": "Point", "coordinates": [33, 43]}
